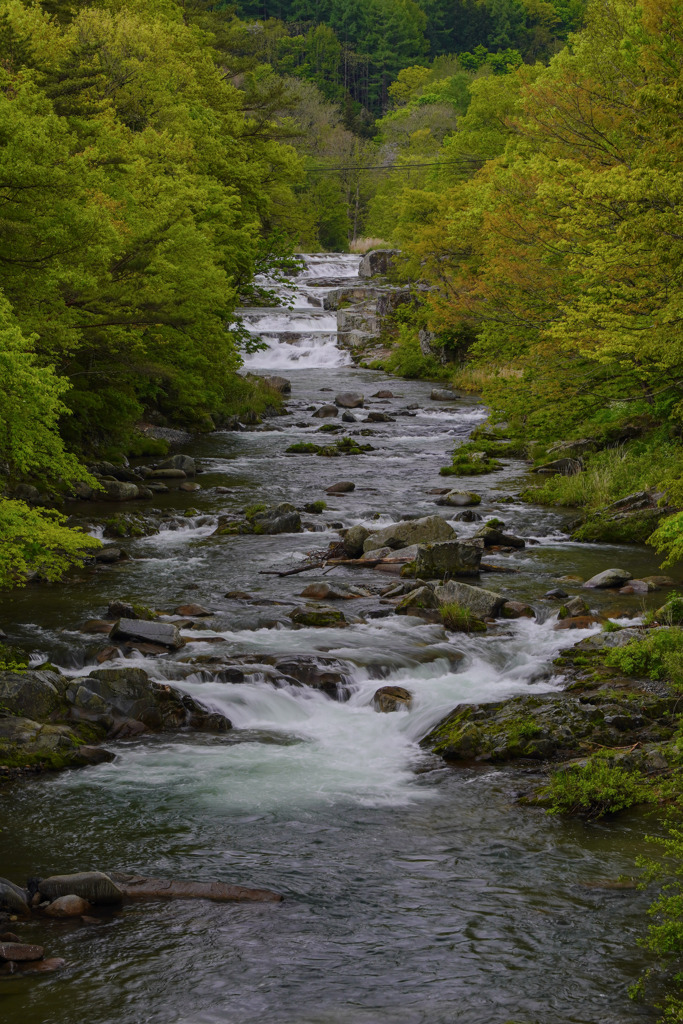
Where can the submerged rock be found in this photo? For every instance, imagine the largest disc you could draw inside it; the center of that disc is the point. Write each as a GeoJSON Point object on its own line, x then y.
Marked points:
{"type": "Point", "coordinates": [342, 487]}
{"type": "Point", "coordinates": [20, 952]}
{"type": "Point", "coordinates": [138, 887]}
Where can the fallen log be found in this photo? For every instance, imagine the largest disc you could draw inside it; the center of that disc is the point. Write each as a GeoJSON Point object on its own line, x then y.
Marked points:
{"type": "Point", "coordinates": [137, 887]}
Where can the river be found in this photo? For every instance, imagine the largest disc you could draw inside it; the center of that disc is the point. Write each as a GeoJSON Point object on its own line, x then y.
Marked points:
{"type": "Point", "coordinates": [414, 892]}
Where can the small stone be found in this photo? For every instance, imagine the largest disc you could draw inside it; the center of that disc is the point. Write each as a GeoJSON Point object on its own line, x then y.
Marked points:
{"type": "Point", "coordinates": [659, 581]}
{"type": "Point", "coordinates": [106, 654]}
{"type": "Point", "coordinates": [517, 610]}
{"type": "Point", "coordinates": [343, 487]}
{"type": "Point", "coordinates": [326, 411]}
{"type": "Point", "coordinates": [169, 474]}
{"type": "Point", "coordinates": [379, 417]}
{"type": "Point", "coordinates": [577, 622]}
{"type": "Point", "coordinates": [110, 554]}
{"type": "Point", "coordinates": [195, 610]}
{"type": "Point", "coordinates": [187, 485]}
{"type": "Point", "coordinates": [442, 395]}
{"type": "Point", "coordinates": [68, 906]}
{"type": "Point", "coordinates": [577, 606]}
{"type": "Point", "coordinates": [383, 394]}
{"type": "Point", "coordinates": [557, 594]}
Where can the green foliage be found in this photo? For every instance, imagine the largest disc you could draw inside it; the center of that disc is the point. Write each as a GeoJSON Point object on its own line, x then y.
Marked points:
{"type": "Point", "coordinates": [460, 620]}
{"type": "Point", "coordinates": [659, 655]}
{"type": "Point", "coordinates": [36, 542]}
{"type": "Point", "coordinates": [315, 507]}
{"type": "Point", "coordinates": [667, 539]}
{"type": "Point", "coordinates": [594, 789]}
{"type": "Point", "coordinates": [12, 660]}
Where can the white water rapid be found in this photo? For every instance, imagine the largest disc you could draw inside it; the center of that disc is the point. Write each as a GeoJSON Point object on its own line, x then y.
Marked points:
{"type": "Point", "coordinates": [301, 333]}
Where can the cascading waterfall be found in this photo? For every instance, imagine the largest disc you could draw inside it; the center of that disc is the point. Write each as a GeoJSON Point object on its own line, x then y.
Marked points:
{"type": "Point", "coordinates": [301, 333]}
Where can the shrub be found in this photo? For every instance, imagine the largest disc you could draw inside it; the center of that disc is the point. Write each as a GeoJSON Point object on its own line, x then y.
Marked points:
{"type": "Point", "coordinates": [659, 655]}
{"type": "Point", "coordinates": [594, 789]}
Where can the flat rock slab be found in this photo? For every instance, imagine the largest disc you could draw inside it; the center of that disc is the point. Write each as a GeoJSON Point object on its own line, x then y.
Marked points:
{"type": "Point", "coordinates": [138, 887]}
{"type": "Point", "coordinates": [162, 633]}
{"type": "Point", "coordinates": [20, 952]}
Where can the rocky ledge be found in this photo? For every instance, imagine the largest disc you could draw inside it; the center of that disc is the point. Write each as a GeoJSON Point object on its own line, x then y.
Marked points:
{"type": "Point", "coordinates": [50, 721]}
{"type": "Point", "coordinates": [598, 709]}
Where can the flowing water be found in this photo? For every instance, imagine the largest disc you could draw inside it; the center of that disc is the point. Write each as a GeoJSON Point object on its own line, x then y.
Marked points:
{"type": "Point", "coordinates": [414, 892]}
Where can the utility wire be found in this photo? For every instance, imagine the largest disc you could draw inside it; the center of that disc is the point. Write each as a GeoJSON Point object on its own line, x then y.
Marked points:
{"type": "Point", "coordinates": [389, 167]}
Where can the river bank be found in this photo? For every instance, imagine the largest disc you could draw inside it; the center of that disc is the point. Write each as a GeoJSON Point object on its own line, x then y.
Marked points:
{"type": "Point", "coordinates": [410, 887]}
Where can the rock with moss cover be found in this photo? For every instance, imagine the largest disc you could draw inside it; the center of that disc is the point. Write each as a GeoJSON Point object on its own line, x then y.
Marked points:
{"type": "Point", "coordinates": [445, 559]}
{"type": "Point", "coordinates": [28, 744]}
{"type": "Point", "coordinates": [427, 530]}
{"type": "Point", "coordinates": [418, 600]}
{"type": "Point", "coordinates": [282, 518]}
{"type": "Point", "coordinates": [318, 617]}
{"type": "Point", "coordinates": [482, 603]}
{"type": "Point", "coordinates": [551, 726]}
{"type": "Point", "coordinates": [354, 539]}
{"type": "Point", "coordinates": [36, 695]}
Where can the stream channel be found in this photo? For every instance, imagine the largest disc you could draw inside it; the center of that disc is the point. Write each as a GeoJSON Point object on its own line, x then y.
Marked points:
{"type": "Point", "coordinates": [414, 892]}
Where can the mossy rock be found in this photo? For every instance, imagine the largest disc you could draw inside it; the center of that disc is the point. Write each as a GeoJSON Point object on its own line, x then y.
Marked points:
{"type": "Point", "coordinates": [318, 618]}
{"type": "Point", "coordinates": [550, 727]}
{"type": "Point", "coordinates": [626, 528]}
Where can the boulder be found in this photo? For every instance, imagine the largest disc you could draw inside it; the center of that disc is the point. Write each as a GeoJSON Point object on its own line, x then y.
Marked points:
{"type": "Point", "coordinates": [193, 610]}
{"type": "Point", "coordinates": [443, 395]}
{"type": "Point", "coordinates": [659, 581]}
{"type": "Point", "coordinates": [413, 531]}
{"type": "Point", "coordinates": [162, 633]}
{"type": "Point", "coordinates": [496, 538]}
{"type": "Point", "coordinates": [377, 261]}
{"type": "Point", "coordinates": [379, 417]}
{"type": "Point", "coordinates": [517, 610]}
{"type": "Point", "coordinates": [348, 417]}
{"type": "Point", "coordinates": [13, 899]}
{"type": "Point", "coordinates": [117, 490]}
{"type": "Point", "coordinates": [280, 384]}
{"type": "Point", "coordinates": [459, 499]}
{"type": "Point", "coordinates": [282, 518]}
{"type": "Point", "coordinates": [608, 578]}
{"type": "Point", "coordinates": [556, 726]}
{"type": "Point", "coordinates": [110, 554]}
{"type": "Point", "coordinates": [576, 622]}
{"type": "Point", "coordinates": [577, 606]}
{"type": "Point", "coordinates": [183, 462]}
{"type": "Point", "coordinates": [392, 698]}
{"type": "Point", "coordinates": [325, 411]}
{"type": "Point", "coordinates": [68, 906]}
{"type": "Point", "coordinates": [137, 887]}
{"type": "Point", "coordinates": [93, 886]}
{"type": "Point", "coordinates": [354, 539]}
{"type": "Point", "coordinates": [377, 553]}
{"type": "Point", "coordinates": [419, 600]}
{"type": "Point", "coordinates": [349, 400]}
{"type": "Point", "coordinates": [35, 695]}
{"type": "Point", "coordinates": [468, 516]}
{"type": "Point", "coordinates": [383, 394]}
{"type": "Point", "coordinates": [318, 617]}
{"type": "Point", "coordinates": [20, 952]}
{"type": "Point", "coordinates": [342, 487]}
{"type": "Point", "coordinates": [448, 558]}
{"type": "Point", "coordinates": [482, 603]}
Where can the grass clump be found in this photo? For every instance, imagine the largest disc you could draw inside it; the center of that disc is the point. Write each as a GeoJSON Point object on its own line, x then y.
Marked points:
{"type": "Point", "coordinates": [460, 620]}
{"type": "Point", "coordinates": [594, 789]}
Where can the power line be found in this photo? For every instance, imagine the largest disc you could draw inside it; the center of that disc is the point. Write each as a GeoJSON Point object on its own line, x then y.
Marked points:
{"type": "Point", "coordinates": [388, 167]}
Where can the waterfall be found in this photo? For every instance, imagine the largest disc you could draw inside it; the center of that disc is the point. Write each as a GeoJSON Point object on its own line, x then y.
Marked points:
{"type": "Point", "coordinates": [301, 333]}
